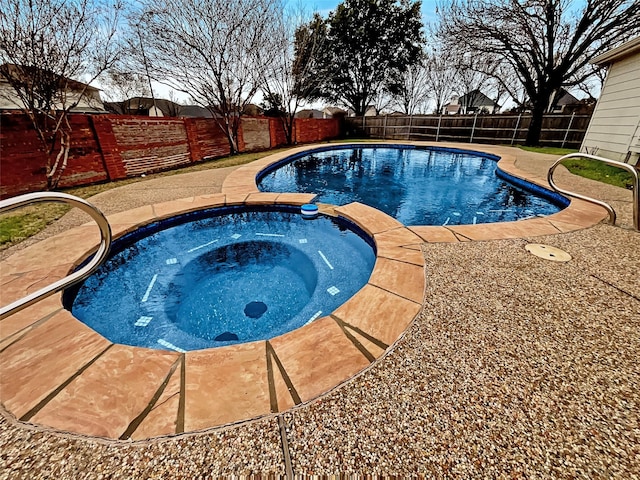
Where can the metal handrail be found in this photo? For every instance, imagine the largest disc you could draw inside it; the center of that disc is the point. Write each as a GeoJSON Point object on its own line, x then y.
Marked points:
{"type": "Point", "coordinates": [75, 277]}
{"type": "Point", "coordinates": [606, 206]}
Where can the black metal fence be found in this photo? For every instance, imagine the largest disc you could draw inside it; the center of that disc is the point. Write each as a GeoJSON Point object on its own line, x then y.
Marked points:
{"type": "Point", "coordinates": [564, 131]}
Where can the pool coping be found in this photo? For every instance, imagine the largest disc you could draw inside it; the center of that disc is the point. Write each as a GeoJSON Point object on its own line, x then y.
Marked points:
{"type": "Point", "coordinates": [62, 375]}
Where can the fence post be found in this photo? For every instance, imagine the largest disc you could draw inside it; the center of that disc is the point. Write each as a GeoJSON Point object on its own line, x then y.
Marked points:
{"type": "Point", "coordinates": [438, 130]}
{"type": "Point", "coordinates": [515, 130]}
{"type": "Point", "coordinates": [384, 127]}
{"type": "Point", "coordinates": [409, 131]}
{"type": "Point", "coordinates": [473, 128]}
{"type": "Point", "coordinates": [566, 134]}
{"type": "Point", "coordinates": [364, 125]}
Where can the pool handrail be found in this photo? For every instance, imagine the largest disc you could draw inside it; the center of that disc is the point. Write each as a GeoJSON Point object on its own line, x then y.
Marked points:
{"type": "Point", "coordinates": [98, 258]}
{"type": "Point", "coordinates": [606, 206]}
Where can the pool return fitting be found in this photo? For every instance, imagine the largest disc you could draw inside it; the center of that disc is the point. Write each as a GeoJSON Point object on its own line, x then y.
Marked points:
{"type": "Point", "coordinates": [98, 258]}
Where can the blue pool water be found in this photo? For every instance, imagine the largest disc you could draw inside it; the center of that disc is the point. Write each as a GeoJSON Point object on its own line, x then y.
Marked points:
{"type": "Point", "coordinates": [417, 186]}
{"type": "Point", "coordinates": [225, 276]}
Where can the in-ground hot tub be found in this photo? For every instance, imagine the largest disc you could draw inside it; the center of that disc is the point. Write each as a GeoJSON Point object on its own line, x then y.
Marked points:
{"type": "Point", "coordinates": [223, 276]}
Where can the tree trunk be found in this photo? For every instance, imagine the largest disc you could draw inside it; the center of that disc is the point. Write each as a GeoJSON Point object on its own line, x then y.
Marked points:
{"type": "Point", "coordinates": [233, 146]}
{"type": "Point", "coordinates": [287, 123]}
{"type": "Point", "coordinates": [535, 127]}
{"type": "Point", "coordinates": [232, 128]}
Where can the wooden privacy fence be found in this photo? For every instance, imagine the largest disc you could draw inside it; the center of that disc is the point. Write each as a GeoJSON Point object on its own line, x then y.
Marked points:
{"type": "Point", "coordinates": [113, 147]}
{"type": "Point", "coordinates": [564, 131]}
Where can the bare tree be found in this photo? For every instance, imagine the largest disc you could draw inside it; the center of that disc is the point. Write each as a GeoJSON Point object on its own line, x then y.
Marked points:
{"type": "Point", "coordinates": [548, 43]}
{"type": "Point", "coordinates": [413, 89]}
{"type": "Point", "coordinates": [282, 84]}
{"type": "Point", "coordinates": [592, 85]}
{"type": "Point", "coordinates": [213, 50]}
{"type": "Point", "coordinates": [441, 75]}
{"type": "Point", "coordinates": [46, 47]}
{"type": "Point", "coordinates": [120, 86]}
{"type": "Point", "coordinates": [174, 105]}
{"type": "Point", "coordinates": [472, 76]}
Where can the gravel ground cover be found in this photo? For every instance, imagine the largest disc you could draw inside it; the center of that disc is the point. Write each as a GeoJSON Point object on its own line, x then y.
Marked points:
{"type": "Point", "coordinates": [518, 367]}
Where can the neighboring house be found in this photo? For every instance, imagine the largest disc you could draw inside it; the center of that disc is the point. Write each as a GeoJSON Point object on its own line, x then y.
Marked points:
{"type": "Point", "coordinates": [614, 129]}
{"type": "Point", "coordinates": [309, 113]}
{"type": "Point", "coordinates": [370, 111]}
{"type": "Point", "coordinates": [568, 104]}
{"type": "Point", "coordinates": [252, 110]}
{"type": "Point", "coordinates": [329, 112]}
{"type": "Point", "coordinates": [472, 102]}
{"type": "Point", "coordinates": [145, 106]}
{"type": "Point", "coordinates": [88, 97]}
{"type": "Point", "coordinates": [565, 102]}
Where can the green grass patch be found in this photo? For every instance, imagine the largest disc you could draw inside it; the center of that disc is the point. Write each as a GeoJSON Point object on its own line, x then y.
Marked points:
{"type": "Point", "coordinates": [20, 224]}
{"type": "Point", "coordinates": [26, 222]}
{"type": "Point", "coordinates": [588, 168]}
{"type": "Point", "coordinates": [548, 150]}
{"type": "Point", "coordinates": [595, 170]}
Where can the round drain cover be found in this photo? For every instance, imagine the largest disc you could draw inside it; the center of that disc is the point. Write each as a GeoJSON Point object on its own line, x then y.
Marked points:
{"type": "Point", "coordinates": [548, 252]}
{"type": "Point", "coordinates": [255, 309]}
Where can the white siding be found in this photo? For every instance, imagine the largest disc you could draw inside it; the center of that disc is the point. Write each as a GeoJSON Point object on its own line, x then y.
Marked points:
{"type": "Point", "coordinates": [89, 102]}
{"type": "Point", "coordinates": [614, 129]}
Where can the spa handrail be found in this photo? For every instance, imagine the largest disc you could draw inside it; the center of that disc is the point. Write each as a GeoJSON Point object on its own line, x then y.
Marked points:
{"type": "Point", "coordinates": [606, 206]}
{"type": "Point", "coordinates": [75, 277]}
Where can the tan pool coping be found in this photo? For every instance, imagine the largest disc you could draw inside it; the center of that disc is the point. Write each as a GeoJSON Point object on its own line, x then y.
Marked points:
{"type": "Point", "coordinates": [58, 373]}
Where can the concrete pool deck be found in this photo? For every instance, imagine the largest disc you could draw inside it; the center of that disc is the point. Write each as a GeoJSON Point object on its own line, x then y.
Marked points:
{"type": "Point", "coordinates": [497, 374]}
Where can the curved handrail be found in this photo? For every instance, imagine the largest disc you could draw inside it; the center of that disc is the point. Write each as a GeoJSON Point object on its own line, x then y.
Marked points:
{"type": "Point", "coordinates": [606, 206]}
{"type": "Point", "coordinates": [75, 277]}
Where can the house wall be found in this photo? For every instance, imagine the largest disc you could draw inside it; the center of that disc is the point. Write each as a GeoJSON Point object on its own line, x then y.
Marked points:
{"type": "Point", "coordinates": [614, 131]}
{"type": "Point", "coordinates": [112, 147]}
{"type": "Point", "coordinates": [90, 101]}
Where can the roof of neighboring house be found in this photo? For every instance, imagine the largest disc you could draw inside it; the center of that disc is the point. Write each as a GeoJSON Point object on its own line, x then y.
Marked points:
{"type": "Point", "coordinates": [615, 54]}
{"type": "Point", "coordinates": [194, 111]}
{"type": "Point", "coordinates": [14, 69]}
{"type": "Point", "coordinates": [145, 103]}
{"type": "Point", "coordinates": [309, 113]}
{"type": "Point", "coordinates": [334, 110]}
{"type": "Point", "coordinates": [167, 107]}
{"type": "Point", "coordinates": [566, 98]}
{"type": "Point", "coordinates": [476, 98]}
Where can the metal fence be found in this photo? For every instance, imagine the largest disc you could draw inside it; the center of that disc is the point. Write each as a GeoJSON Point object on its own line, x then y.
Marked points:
{"type": "Point", "coordinates": [564, 131]}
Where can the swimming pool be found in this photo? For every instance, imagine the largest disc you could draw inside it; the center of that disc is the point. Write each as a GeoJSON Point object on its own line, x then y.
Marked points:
{"type": "Point", "coordinates": [223, 276]}
{"type": "Point", "coordinates": [417, 186]}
